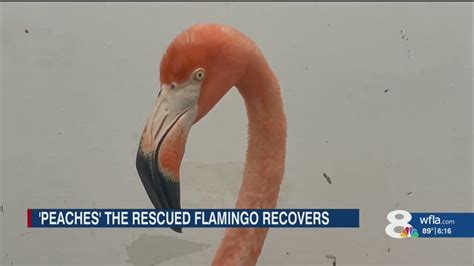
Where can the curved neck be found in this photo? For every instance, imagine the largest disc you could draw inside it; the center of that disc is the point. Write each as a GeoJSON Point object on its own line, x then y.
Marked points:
{"type": "Point", "coordinates": [265, 161]}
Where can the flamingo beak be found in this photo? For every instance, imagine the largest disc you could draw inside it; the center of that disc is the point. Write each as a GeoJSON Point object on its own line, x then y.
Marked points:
{"type": "Point", "coordinates": [162, 146]}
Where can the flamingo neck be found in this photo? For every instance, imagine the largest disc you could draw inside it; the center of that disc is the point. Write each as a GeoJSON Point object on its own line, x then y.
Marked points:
{"type": "Point", "coordinates": [265, 161]}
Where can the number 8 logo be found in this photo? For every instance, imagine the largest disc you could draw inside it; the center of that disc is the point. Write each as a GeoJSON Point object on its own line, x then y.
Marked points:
{"type": "Point", "coordinates": [395, 222]}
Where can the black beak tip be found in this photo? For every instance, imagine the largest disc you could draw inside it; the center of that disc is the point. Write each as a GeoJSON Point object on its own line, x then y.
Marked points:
{"type": "Point", "coordinates": [163, 193]}
{"type": "Point", "coordinates": [177, 229]}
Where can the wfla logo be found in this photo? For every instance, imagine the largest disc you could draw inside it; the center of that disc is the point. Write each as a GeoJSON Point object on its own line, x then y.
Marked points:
{"type": "Point", "coordinates": [400, 219]}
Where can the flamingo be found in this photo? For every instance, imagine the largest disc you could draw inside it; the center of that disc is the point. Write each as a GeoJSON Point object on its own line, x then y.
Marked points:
{"type": "Point", "coordinates": [198, 68]}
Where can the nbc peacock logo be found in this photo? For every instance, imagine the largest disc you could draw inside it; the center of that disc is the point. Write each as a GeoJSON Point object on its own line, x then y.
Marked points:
{"type": "Point", "coordinates": [409, 232]}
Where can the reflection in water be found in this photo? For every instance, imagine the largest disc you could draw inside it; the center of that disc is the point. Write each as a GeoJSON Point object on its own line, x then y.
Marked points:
{"type": "Point", "coordinates": [152, 249]}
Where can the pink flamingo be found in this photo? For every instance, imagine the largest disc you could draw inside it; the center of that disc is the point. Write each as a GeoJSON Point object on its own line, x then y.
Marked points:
{"type": "Point", "coordinates": [199, 67]}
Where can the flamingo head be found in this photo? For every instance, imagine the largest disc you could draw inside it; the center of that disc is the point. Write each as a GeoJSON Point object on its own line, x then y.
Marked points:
{"type": "Point", "coordinates": [199, 67]}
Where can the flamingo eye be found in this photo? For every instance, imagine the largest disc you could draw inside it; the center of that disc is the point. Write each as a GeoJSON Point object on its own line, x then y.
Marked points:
{"type": "Point", "coordinates": [199, 74]}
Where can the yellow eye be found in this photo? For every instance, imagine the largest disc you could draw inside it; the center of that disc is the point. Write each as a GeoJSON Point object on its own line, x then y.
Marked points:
{"type": "Point", "coordinates": [199, 74]}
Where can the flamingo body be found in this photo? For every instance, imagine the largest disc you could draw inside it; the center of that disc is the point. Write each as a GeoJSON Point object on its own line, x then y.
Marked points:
{"type": "Point", "coordinates": [199, 67]}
